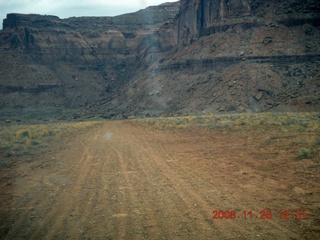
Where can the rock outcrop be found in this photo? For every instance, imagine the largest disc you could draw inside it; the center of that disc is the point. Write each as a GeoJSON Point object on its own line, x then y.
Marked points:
{"type": "Point", "coordinates": [177, 58]}
{"type": "Point", "coordinates": [81, 59]}
{"type": "Point", "coordinates": [234, 56]}
{"type": "Point", "coordinates": [203, 17]}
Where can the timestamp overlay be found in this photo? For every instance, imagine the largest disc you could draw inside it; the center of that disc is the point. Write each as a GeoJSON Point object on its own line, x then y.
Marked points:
{"type": "Point", "coordinates": [260, 215]}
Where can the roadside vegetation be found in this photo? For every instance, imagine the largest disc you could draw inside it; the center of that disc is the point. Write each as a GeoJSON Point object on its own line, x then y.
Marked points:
{"type": "Point", "coordinates": [295, 133]}
{"type": "Point", "coordinates": [26, 140]}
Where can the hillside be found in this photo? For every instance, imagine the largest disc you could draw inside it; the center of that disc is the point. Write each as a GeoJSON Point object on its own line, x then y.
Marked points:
{"type": "Point", "coordinates": [187, 57]}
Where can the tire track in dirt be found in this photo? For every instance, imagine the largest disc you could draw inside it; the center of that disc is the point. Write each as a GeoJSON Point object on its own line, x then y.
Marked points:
{"type": "Point", "coordinates": [128, 186]}
{"type": "Point", "coordinates": [139, 162]}
{"type": "Point", "coordinates": [66, 197]}
{"type": "Point", "coordinates": [195, 181]}
{"type": "Point", "coordinates": [151, 194]}
{"type": "Point", "coordinates": [146, 222]}
{"type": "Point", "coordinates": [174, 203]}
{"type": "Point", "coordinates": [73, 198]}
{"type": "Point", "coordinates": [122, 216]}
{"type": "Point", "coordinates": [239, 228]}
{"type": "Point", "coordinates": [94, 218]}
{"type": "Point", "coordinates": [192, 199]}
{"type": "Point", "coordinates": [128, 182]}
{"type": "Point", "coordinates": [228, 188]}
{"type": "Point", "coordinates": [23, 198]}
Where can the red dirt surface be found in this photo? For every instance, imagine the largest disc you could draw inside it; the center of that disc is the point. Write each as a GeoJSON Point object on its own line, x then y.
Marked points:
{"type": "Point", "coordinates": [120, 181]}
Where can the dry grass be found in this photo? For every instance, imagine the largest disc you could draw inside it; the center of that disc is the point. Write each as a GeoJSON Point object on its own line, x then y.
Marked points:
{"type": "Point", "coordinates": [297, 133]}
{"type": "Point", "coordinates": [236, 121]}
{"type": "Point", "coordinates": [28, 140]}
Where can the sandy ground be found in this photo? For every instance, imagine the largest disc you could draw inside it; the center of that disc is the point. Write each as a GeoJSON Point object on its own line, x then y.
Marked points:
{"type": "Point", "coordinates": [120, 181]}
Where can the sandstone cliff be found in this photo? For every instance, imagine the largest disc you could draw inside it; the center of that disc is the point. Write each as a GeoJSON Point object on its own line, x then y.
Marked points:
{"type": "Point", "coordinates": [203, 17]}
{"type": "Point", "coordinates": [189, 57]}
{"type": "Point", "coordinates": [238, 56]}
{"type": "Point", "coordinates": [47, 61]}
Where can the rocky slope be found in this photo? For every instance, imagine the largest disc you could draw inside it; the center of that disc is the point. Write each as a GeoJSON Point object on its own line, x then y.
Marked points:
{"type": "Point", "coordinates": [177, 58]}
{"type": "Point", "coordinates": [69, 63]}
{"type": "Point", "coordinates": [233, 56]}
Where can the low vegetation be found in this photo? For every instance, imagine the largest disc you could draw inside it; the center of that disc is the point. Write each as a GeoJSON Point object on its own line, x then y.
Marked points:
{"type": "Point", "coordinates": [236, 121]}
{"type": "Point", "coordinates": [25, 140]}
{"type": "Point", "coordinates": [297, 134]}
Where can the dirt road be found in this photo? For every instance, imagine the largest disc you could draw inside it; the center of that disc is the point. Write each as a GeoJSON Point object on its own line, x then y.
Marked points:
{"type": "Point", "coordinates": [120, 181]}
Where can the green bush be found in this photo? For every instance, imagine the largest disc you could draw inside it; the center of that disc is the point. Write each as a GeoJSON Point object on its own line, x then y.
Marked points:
{"type": "Point", "coordinates": [304, 154]}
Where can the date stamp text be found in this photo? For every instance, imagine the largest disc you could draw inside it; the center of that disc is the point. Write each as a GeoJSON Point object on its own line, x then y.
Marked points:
{"type": "Point", "coordinates": [263, 214]}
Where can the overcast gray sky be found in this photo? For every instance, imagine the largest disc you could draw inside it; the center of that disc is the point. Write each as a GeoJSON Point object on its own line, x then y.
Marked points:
{"type": "Point", "coordinates": [70, 8]}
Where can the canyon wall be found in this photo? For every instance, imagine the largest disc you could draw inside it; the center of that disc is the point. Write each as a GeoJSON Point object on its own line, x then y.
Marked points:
{"type": "Point", "coordinates": [76, 61]}
{"type": "Point", "coordinates": [233, 56]}
{"type": "Point", "coordinates": [188, 57]}
{"type": "Point", "coordinates": [202, 17]}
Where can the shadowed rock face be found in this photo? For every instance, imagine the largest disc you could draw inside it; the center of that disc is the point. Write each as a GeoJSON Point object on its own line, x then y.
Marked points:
{"type": "Point", "coordinates": [177, 58]}
{"type": "Point", "coordinates": [238, 56]}
{"type": "Point", "coordinates": [198, 17]}
{"type": "Point", "coordinates": [86, 57]}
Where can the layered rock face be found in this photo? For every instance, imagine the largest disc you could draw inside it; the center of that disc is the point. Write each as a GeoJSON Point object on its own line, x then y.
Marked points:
{"type": "Point", "coordinates": [74, 62]}
{"type": "Point", "coordinates": [203, 17]}
{"type": "Point", "coordinates": [235, 56]}
{"type": "Point", "coordinates": [179, 58]}
{"type": "Point", "coordinates": [197, 16]}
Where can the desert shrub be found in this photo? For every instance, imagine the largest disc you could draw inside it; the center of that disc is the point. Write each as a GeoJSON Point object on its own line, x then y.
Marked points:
{"type": "Point", "coordinates": [8, 154]}
{"type": "Point", "coordinates": [284, 122]}
{"type": "Point", "coordinates": [23, 133]}
{"type": "Point", "coordinates": [288, 122]}
{"type": "Point", "coordinates": [27, 140]}
{"type": "Point", "coordinates": [304, 154]}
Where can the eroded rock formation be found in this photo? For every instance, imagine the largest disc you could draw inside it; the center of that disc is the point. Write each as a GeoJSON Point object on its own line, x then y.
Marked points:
{"type": "Point", "coordinates": [234, 56]}
{"type": "Point", "coordinates": [177, 58]}
{"type": "Point", "coordinates": [83, 59]}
